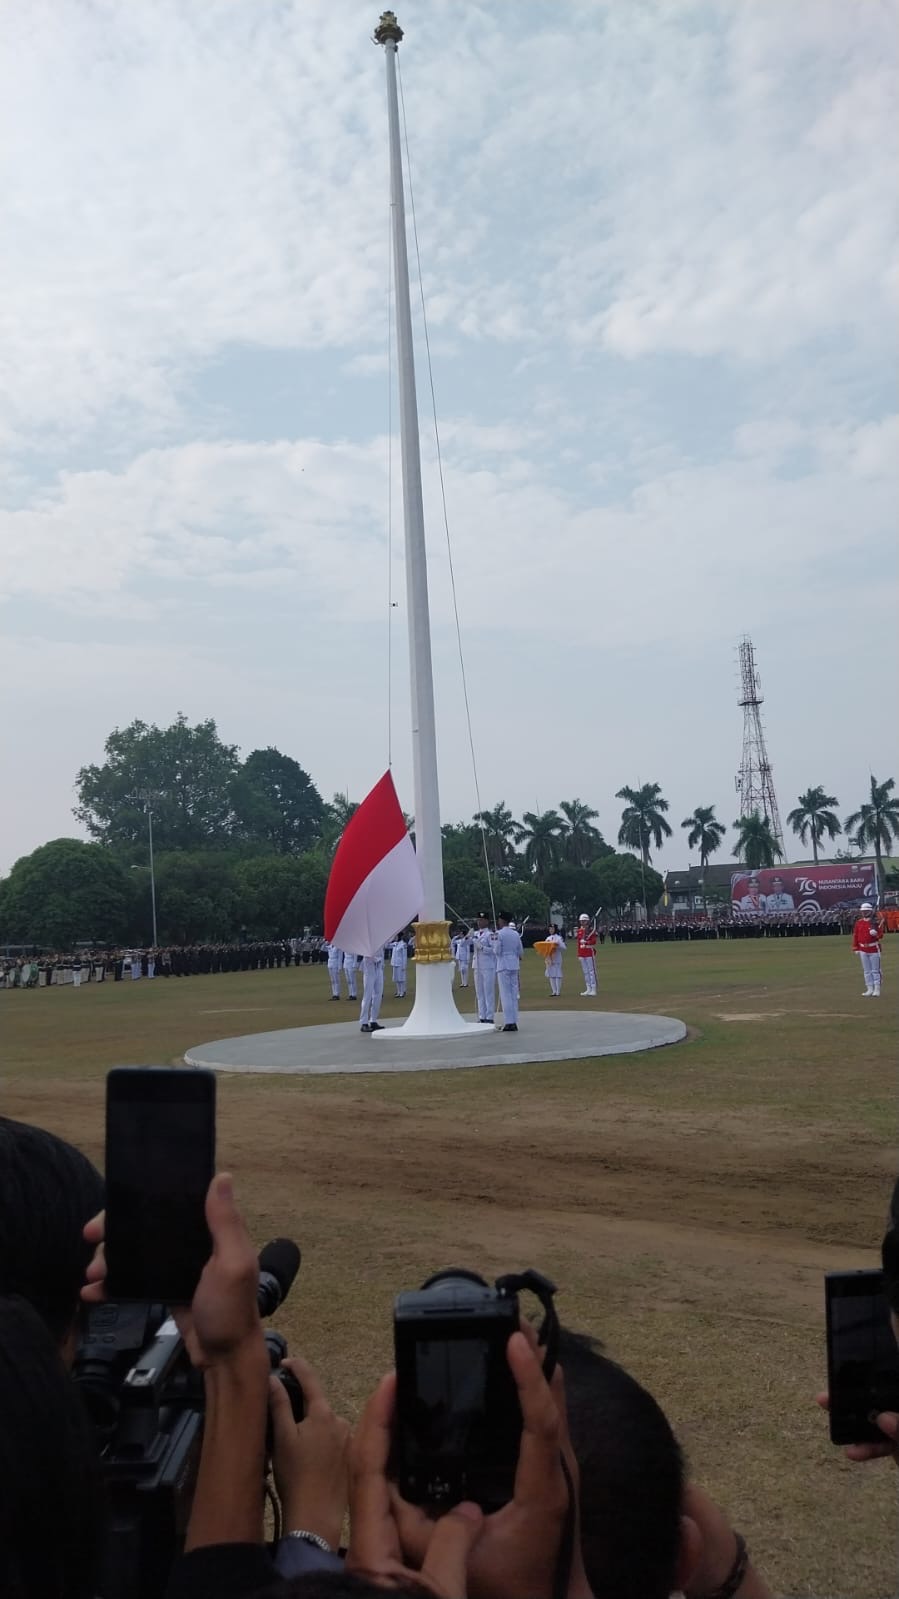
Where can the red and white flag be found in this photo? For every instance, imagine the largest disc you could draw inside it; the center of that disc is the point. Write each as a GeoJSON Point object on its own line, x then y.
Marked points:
{"type": "Point", "coordinates": [375, 886]}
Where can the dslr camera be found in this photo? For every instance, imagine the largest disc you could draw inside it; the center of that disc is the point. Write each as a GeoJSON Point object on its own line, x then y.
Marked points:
{"type": "Point", "coordinates": [458, 1418]}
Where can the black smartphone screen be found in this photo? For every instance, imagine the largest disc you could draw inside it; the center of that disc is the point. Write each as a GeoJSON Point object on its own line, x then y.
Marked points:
{"type": "Point", "coordinates": [160, 1160]}
{"type": "Point", "coordinates": [862, 1355]}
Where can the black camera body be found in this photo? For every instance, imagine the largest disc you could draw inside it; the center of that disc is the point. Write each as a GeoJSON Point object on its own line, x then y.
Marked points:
{"type": "Point", "coordinates": [458, 1418]}
{"type": "Point", "coordinates": [147, 1403]}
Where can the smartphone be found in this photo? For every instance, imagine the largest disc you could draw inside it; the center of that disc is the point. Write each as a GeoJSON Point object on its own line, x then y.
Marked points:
{"type": "Point", "coordinates": [160, 1160]}
{"type": "Point", "coordinates": [862, 1355]}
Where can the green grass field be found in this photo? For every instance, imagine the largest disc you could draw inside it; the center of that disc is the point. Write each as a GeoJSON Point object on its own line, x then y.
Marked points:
{"type": "Point", "coordinates": [687, 1201]}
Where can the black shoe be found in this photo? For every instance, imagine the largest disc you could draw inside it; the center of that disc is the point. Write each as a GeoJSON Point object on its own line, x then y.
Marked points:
{"type": "Point", "coordinates": [510, 1027]}
{"type": "Point", "coordinates": [375, 1027]}
{"type": "Point", "coordinates": [335, 996]}
{"type": "Point", "coordinates": [365, 1028]}
{"type": "Point", "coordinates": [486, 1022]}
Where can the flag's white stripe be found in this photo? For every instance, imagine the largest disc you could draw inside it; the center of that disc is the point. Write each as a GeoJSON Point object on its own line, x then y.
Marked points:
{"type": "Point", "coordinates": [387, 899]}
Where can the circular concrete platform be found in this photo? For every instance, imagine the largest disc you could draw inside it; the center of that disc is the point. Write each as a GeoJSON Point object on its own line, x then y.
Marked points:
{"type": "Point", "coordinates": [544, 1035]}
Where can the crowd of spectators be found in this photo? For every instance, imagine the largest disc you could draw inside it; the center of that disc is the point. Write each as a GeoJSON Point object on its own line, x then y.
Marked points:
{"type": "Point", "coordinates": [739, 924]}
{"type": "Point", "coordinates": [602, 1505]}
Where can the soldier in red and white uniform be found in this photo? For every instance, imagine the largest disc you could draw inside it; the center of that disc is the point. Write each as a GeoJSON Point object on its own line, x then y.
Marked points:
{"type": "Point", "coordinates": [586, 954]}
{"type": "Point", "coordinates": [866, 937]}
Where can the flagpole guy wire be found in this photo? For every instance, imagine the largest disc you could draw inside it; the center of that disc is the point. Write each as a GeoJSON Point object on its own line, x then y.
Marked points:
{"type": "Point", "coordinates": [446, 528]}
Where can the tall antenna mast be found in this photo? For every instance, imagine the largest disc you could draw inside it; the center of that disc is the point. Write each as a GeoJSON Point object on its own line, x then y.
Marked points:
{"type": "Point", "coordinates": [755, 781]}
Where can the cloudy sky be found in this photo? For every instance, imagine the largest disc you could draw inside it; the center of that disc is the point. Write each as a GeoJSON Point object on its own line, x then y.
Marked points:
{"type": "Point", "coordinates": [659, 258]}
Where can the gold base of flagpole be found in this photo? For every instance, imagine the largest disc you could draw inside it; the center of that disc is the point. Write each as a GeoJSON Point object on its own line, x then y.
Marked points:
{"type": "Point", "coordinates": [432, 942]}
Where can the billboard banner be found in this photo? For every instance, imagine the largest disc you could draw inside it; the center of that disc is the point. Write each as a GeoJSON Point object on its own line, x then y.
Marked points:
{"type": "Point", "coordinates": [803, 890]}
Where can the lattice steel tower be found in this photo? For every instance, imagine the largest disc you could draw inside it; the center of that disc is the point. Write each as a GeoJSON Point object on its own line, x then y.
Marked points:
{"type": "Point", "coordinates": [755, 783]}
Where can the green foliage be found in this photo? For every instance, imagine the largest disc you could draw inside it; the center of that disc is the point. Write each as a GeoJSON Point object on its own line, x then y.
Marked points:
{"type": "Point", "coordinates": [276, 804]}
{"type": "Point", "coordinates": [522, 900]}
{"type": "Point", "coordinates": [621, 881]}
{"type": "Point", "coordinates": [462, 842]}
{"type": "Point", "coordinates": [279, 896]}
{"type": "Point", "coordinates": [197, 897]}
{"type": "Point", "coordinates": [501, 833]}
{"type": "Point", "coordinates": [63, 893]}
{"type": "Point", "coordinates": [756, 844]}
{"type": "Point", "coordinates": [466, 887]}
{"type": "Point", "coordinates": [642, 820]}
{"type": "Point", "coordinates": [185, 772]}
{"type": "Point", "coordinates": [575, 888]}
{"type": "Point", "coordinates": [706, 832]}
{"type": "Point", "coordinates": [542, 835]}
{"type": "Point", "coordinates": [812, 818]}
{"type": "Point", "coordinates": [876, 823]}
{"type": "Point", "coordinates": [583, 842]}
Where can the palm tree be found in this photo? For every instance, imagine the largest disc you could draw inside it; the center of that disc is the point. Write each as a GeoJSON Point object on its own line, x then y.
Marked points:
{"type": "Point", "coordinates": [642, 820]}
{"type": "Point", "coordinates": [581, 837]}
{"type": "Point", "coordinates": [812, 817]}
{"type": "Point", "coordinates": [756, 843]}
{"type": "Point", "coordinates": [706, 833]}
{"type": "Point", "coordinates": [876, 823]}
{"type": "Point", "coordinates": [500, 832]}
{"type": "Point", "coordinates": [541, 834]}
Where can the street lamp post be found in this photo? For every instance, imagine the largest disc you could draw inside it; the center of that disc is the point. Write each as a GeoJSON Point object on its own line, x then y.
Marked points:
{"type": "Point", "coordinates": [149, 811]}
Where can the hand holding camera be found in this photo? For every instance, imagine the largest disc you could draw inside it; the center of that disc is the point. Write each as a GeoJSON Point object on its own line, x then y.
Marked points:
{"type": "Point", "coordinates": [310, 1459]}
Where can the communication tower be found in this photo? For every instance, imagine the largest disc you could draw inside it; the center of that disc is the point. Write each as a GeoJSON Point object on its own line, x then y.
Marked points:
{"type": "Point", "coordinates": [755, 782]}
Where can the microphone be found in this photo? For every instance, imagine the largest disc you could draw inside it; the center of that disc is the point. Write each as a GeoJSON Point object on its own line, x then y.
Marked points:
{"type": "Point", "coordinates": [279, 1263]}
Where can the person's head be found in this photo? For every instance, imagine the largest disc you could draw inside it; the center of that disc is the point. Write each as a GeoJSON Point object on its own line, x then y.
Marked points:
{"type": "Point", "coordinates": [777, 884]}
{"type": "Point", "coordinates": [483, 919]}
{"type": "Point", "coordinates": [50, 1491]}
{"type": "Point", "coordinates": [866, 907]}
{"type": "Point", "coordinates": [48, 1190]}
{"type": "Point", "coordinates": [503, 918]}
{"type": "Point", "coordinates": [753, 888]}
{"type": "Point", "coordinates": [633, 1539]}
{"type": "Point", "coordinates": [583, 919]}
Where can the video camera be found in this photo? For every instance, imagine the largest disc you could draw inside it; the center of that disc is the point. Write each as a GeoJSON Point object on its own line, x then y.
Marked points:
{"type": "Point", "coordinates": [146, 1402]}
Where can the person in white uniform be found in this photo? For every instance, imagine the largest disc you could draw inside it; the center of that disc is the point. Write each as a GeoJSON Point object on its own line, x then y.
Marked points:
{"type": "Point", "coordinates": [509, 950]}
{"type": "Point", "coordinates": [554, 961]}
{"type": "Point", "coordinates": [372, 991]}
{"type": "Point", "coordinates": [335, 965]}
{"type": "Point", "coordinates": [350, 968]}
{"type": "Point", "coordinates": [399, 959]}
{"type": "Point", "coordinates": [462, 955]}
{"type": "Point", "coordinates": [485, 968]}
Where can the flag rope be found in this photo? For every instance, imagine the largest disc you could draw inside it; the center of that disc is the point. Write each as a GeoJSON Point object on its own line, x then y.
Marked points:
{"type": "Point", "coordinates": [390, 603]}
{"type": "Point", "coordinates": [446, 527]}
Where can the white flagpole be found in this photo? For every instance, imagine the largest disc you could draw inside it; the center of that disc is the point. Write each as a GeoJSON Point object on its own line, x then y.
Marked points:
{"type": "Point", "coordinates": [434, 1012]}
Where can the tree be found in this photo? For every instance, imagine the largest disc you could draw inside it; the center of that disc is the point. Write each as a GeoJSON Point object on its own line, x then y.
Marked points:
{"type": "Point", "coordinates": [185, 772]}
{"type": "Point", "coordinates": [279, 895]}
{"type": "Point", "coordinates": [876, 823]}
{"type": "Point", "coordinates": [522, 900]}
{"type": "Point", "coordinates": [756, 845]}
{"type": "Point", "coordinates": [462, 842]}
{"type": "Point", "coordinates": [541, 834]}
{"type": "Point", "coordinates": [620, 883]}
{"type": "Point", "coordinates": [574, 888]}
{"type": "Point", "coordinates": [63, 893]}
{"type": "Point", "coordinates": [197, 896]}
{"type": "Point", "coordinates": [706, 832]}
{"type": "Point", "coordinates": [276, 804]}
{"type": "Point", "coordinates": [812, 818]}
{"type": "Point", "coordinates": [501, 833]}
{"type": "Point", "coordinates": [642, 820]}
{"type": "Point", "coordinates": [583, 842]}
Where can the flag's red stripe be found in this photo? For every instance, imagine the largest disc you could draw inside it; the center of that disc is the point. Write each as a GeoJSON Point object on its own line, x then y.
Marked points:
{"type": "Point", "coordinates": [374, 830]}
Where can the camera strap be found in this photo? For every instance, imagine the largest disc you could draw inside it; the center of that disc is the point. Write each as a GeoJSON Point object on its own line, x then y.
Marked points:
{"type": "Point", "coordinates": [533, 1282]}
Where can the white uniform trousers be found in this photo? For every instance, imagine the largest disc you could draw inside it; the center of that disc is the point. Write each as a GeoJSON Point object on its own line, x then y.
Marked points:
{"type": "Point", "coordinates": [871, 971]}
{"type": "Point", "coordinates": [398, 969]}
{"type": "Point", "coordinates": [349, 975]}
{"type": "Point", "coordinates": [334, 966]}
{"type": "Point", "coordinates": [463, 961]}
{"type": "Point", "coordinates": [554, 973]}
{"type": "Point", "coordinates": [372, 990]}
{"type": "Point", "coordinates": [485, 986]}
{"type": "Point", "coordinates": [588, 967]}
{"type": "Point", "coordinates": [508, 993]}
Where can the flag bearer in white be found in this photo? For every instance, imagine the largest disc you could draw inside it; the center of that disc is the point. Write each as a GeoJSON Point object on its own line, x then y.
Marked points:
{"type": "Point", "coordinates": [399, 957]}
{"type": "Point", "coordinates": [485, 968]}
{"type": "Point", "coordinates": [335, 963]}
{"type": "Point", "coordinates": [372, 991]}
{"type": "Point", "coordinates": [350, 967]}
{"type": "Point", "coordinates": [509, 950]}
{"type": "Point", "coordinates": [554, 961]}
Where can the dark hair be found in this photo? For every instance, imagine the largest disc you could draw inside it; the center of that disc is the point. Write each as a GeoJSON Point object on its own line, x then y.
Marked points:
{"type": "Point", "coordinates": [632, 1476]}
{"type": "Point", "coordinates": [889, 1252]}
{"type": "Point", "coordinates": [50, 1493]}
{"type": "Point", "coordinates": [48, 1190]}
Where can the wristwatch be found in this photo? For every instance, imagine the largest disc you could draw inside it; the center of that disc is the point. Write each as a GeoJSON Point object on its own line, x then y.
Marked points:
{"type": "Point", "coordinates": [313, 1538]}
